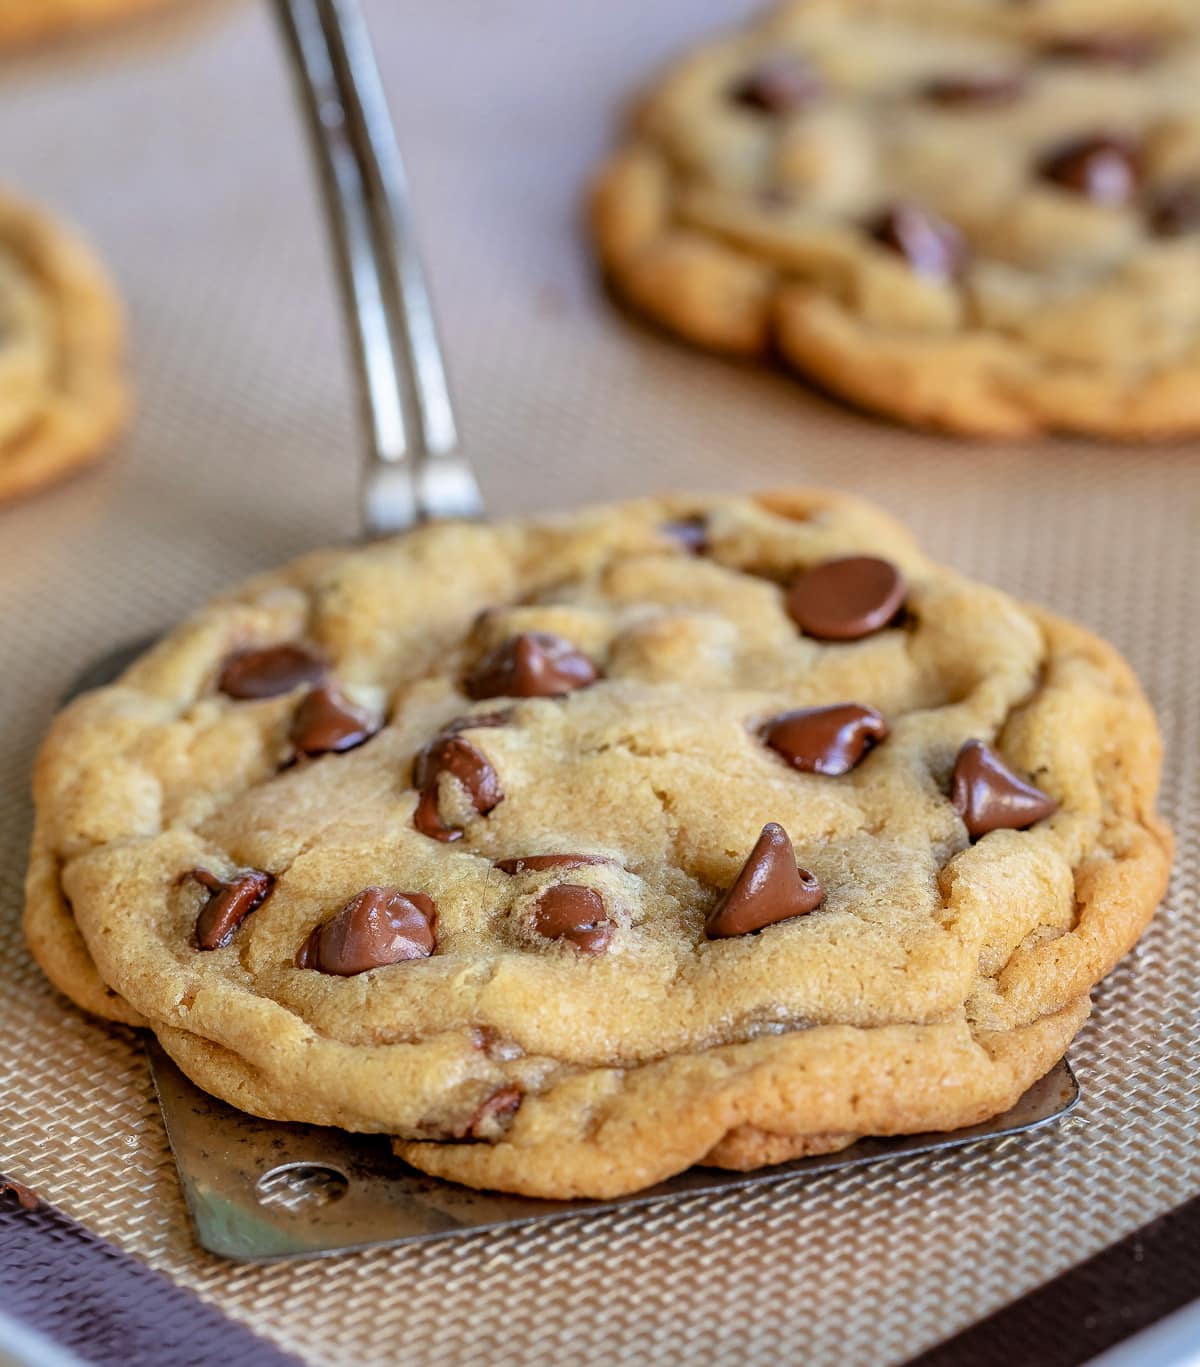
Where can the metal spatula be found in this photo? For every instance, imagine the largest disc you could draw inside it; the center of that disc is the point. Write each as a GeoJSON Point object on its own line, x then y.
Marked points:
{"type": "Point", "coordinates": [258, 1189]}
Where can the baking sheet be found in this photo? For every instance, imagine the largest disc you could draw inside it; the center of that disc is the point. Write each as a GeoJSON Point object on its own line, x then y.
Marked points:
{"type": "Point", "coordinates": [175, 143]}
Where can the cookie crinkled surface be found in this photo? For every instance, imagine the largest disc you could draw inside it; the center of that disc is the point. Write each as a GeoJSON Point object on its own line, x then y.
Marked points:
{"type": "Point", "coordinates": [982, 217]}
{"type": "Point", "coordinates": [570, 878]}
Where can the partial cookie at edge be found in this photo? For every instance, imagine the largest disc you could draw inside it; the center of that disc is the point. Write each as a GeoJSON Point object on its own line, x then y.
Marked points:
{"type": "Point", "coordinates": [734, 230]}
{"type": "Point", "coordinates": [64, 357]}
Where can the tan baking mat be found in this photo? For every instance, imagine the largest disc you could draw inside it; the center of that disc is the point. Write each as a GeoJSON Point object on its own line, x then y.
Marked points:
{"type": "Point", "coordinates": [175, 144]}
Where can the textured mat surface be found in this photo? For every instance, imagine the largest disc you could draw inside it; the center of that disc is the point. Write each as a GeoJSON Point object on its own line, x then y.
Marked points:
{"type": "Point", "coordinates": [175, 144]}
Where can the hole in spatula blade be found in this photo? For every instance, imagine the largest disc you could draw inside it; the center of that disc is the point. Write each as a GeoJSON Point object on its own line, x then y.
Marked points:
{"type": "Point", "coordinates": [225, 1156]}
{"type": "Point", "coordinates": [301, 1186]}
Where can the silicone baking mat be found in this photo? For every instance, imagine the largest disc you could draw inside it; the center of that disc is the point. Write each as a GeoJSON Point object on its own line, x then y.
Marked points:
{"type": "Point", "coordinates": [175, 143]}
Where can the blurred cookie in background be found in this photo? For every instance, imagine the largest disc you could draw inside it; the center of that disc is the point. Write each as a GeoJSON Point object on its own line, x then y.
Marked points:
{"type": "Point", "coordinates": [63, 391]}
{"type": "Point", "coordinates": [983, 218]}
{"type": "Point", "coordinates": [31, 21]}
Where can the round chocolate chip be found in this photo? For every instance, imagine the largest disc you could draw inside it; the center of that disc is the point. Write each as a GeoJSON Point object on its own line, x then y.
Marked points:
{"type": "Point", "coordinates": [568, 911]}
{"type": "Point", "coordinates": [480, 720]}
{"type": "Point", "coordinates": [846, 599]}
{"type": "Point", "coordinates": [327, 722]}
{"type": "Point", "coordinates": [231, 902]}
{"type": "Point", "coordinates": [769, 888]}
{"type": "Point", "coordinates": [377, 926]}
{"type": "Point", "coordinates": [534, 664]}
{"type": "Point", "coordinates": [976, 89]}
{"type": "Point", "coordinates": [780, 84]}
{"type": "Point", "coordinates": [1116, 47]}
{"type": "Point", "coordinates": [1174, 210]}
{"type": "Point", "coordinates": [826, 740]}
{"type": "Point", "coordinates": [989, 796]}
{"type": "Point", "coordinates": [689, 532]}
{"type": "Point", "coordinates": [932, 247]}
{"type": "Point", "coordinates": [775, 198]}
{"type": "Point", "coordinates": [1103, 167]}
{"type": "Point", "coordinates": [537, 863]}
{"type": "Point", "coordinates": [267, 671]}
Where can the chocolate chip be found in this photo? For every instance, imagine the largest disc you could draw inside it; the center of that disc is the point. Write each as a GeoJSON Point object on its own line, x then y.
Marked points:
{"type": "Point", "coordinates": [568, 911]}
{"type": "Point", "coordinates": [470, 723]}
{"type": "Point", "coordinates": [826, 740]}
{"type": "Point", "coordinates": [534, 664]}
{"type": "Point", "coordinates": [990, 797]}
{"type": "Point", "coordinates": [846, 599]}
{"type": "Point", "coordinates": [26, 1199]}
{"type": "Point", "coordinates": [231, 902]}
{"type": "Point", "coordinates": [776, 197]}
{"type": "Point", "coordinates": [491, 1042]}
{"type": "Point", "coordinates": [779, 85]}
{"type": "Point", "coordinates": [269, 671]}
{"type": "Point", "coordinates": [976, 90]}
{"type": "Point", "coordinates": [932, 247]}
{"type": "Point", "coordinates": [1102, 167]}
{"type": "Point", "coordinates": [377, 926]}
{"type": "Point", "coordinates": [493, 1115]}
{"type": "Point", "coordinates": [690, 532]}
{"type": "Point", "coordinates": [1114, 48]}
{"type": "Point", "coordinates": [328, 722]}
{"type": "Point", "coordinates": [450, 754]}
{"type": "Point", "coordinates": [768, 889]}
{"type": "Point", "coordinates": [1175, 210]}
{"type": "Point", "coordinates": [536, 863]}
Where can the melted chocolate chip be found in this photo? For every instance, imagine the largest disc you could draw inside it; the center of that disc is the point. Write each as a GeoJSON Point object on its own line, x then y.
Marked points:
{"type": "Point", "coordinates": [976, 90]}
{"type": "Point", "coordinates": [377, 926]}
{"type": "Point", "coordinates": [327, 722]}
{"type": "Point", "coordinates": [779, 85]}
{"type": "Point", "coordinates": [1175, 210]}
{"type": "Point", "coordinates": [492, 1043]}
{"type": "Point", "coordinates": [689, 532]}
{"type": "Point", "coordinates": [768, 889]}
{"type": "Point", "coordinates": [231, 902]}
{"type": "Point", "coordinates": [269, 671]}
{"type": "Point", "coordinates": [494, 1114]}
{"type": "Point", "coordinates": [775, 197]}
{"type": "Point", "coordinates": [1102, 167]}
{"type": "Point", "coordinates": [459, 758]}
{"type": "Point", "coordinates": [989, 796]}
{"type": "Point", "coordinates": [536, 863]}
{"type": "Point", "coordinates": [933, 247]}
{"type": "Point", "coordinates": [568, 911]}
{"type": "Point", "coordinates": [826, 740]}
{"type": "Point", "coordinates": [846, 599]}
{"type": "Point", "coordinates": [534, 664]}
{"type": "Point", "coordinates": [479, 720]}
{"type": "Point", "coordinates": [1114, 48]}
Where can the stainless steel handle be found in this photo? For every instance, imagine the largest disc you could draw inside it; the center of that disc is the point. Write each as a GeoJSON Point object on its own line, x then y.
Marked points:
{"type": "Point", "coordinates": [413, 469]}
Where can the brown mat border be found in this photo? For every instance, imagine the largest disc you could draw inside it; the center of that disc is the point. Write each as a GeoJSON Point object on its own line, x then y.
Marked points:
{"type": "Point", "coordinates": [60, 1279]}
{"type": "Point", "coordinates": [1093, 1306]}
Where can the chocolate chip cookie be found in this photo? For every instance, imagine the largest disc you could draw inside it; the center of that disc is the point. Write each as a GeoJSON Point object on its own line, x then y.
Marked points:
{"type": "Point", "coordinates": [33, 21]}
{"type": "Point", "coordinates": [982, 217]}
{"type": "Point", "coordinates": [572, 853]}
{"type": "Point", "coordinates": [63, 395]}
